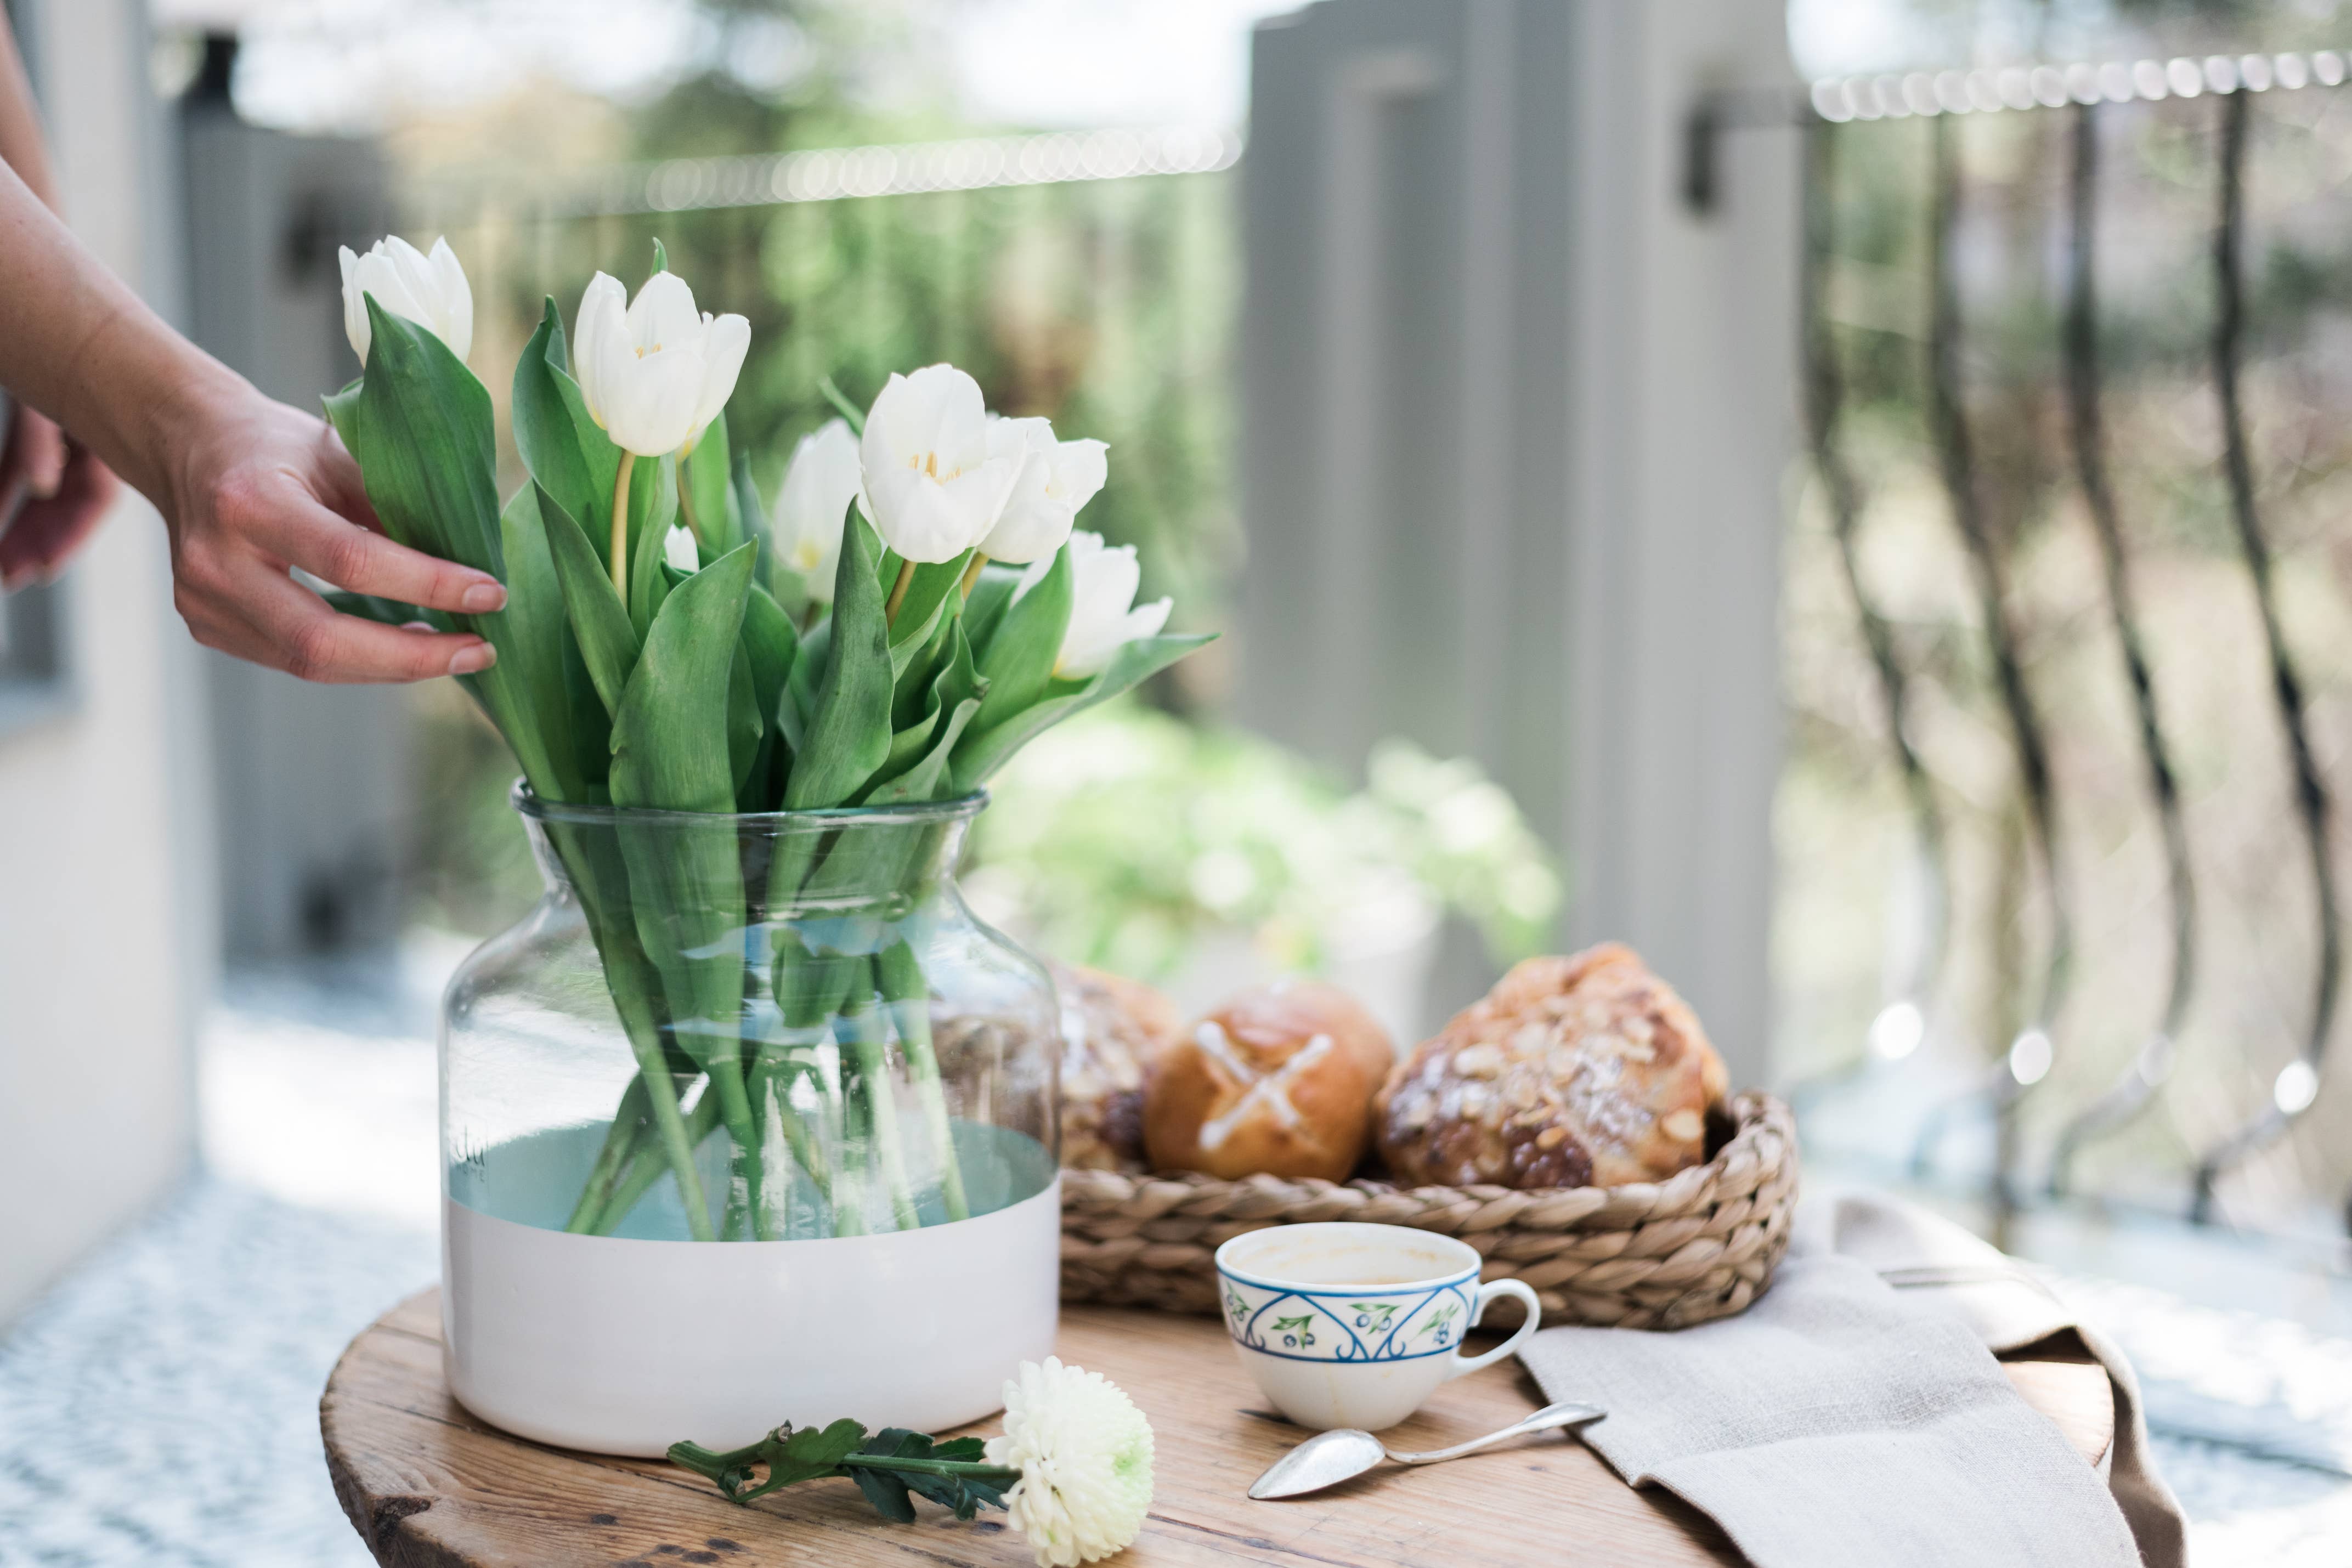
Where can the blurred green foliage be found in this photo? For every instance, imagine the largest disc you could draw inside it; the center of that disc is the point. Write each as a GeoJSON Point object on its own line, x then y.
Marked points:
{"type": "Point", "coordinates": [1124, 836]}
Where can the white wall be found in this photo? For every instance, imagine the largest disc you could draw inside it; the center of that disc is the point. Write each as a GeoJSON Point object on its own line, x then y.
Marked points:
{"type": "Point", "coordinates": [1518, 422]}
{"type": "Point", "coordinates": [105, 930]}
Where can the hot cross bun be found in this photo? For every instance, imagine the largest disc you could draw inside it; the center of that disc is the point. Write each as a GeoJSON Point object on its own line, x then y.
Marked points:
{"type": "Point", "coordinates": [1580, 1071]}
{"type": "Point", "coordinates": [1278, 1081]}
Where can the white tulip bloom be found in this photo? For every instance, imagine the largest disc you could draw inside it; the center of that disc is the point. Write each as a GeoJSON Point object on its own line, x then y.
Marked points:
{"type": "Point", "coordinates": [430, 290]}
{"type": "Point", "coordinates": [1057, 477]}
{"type": "Point", "coordinates": [1084, 1452]}
{"type": "Point", "coordinates": [678, 549]}
{"type": "Point", "coordinates": [933, 486]}
{"type": "Point", "coordinates": [1104, 616]}
{"type": "Point", "coordinates": [820, 482]}
{"type": "Point", "coordinates": [654, 372]}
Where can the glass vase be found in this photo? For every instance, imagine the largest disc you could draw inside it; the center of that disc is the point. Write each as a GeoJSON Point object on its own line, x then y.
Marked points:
{"type": "Point", "coordinates": [730, 1119]}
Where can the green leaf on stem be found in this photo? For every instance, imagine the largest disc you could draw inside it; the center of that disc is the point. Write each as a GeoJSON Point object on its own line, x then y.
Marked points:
{"type": "Point", "coordinates": [848, 728]}
{"type": "Point", "coordinates": [985, 608]}
{"type": "Point", "coordinates": [772, 646]}
{"type": "Point", "coordinates": [918, 765]}
{"type": "Point", "coordinates": [745, 726]}
{"type": "Point", "coordinates": [983, 751]}
{"type": "Point", "coordinates": [537, 638]}
{"type": "Point", "coordinates": [929, 592]}
{"type": "Point", "coordinates": [1019, 658]}
{"type": "Point", "coordinates": [850, 412]}
{"type": "Point", "coordinates": [669, 735]}
{"type": "Point", "coordinates": [750, 513]}
{"type": "Point", "coordinates": [567, 453]}
{"type": "Point", "coordinates": [706, 490]}
{"type": "Point", "coordinates": [653, 507]}
{"type": "Point", "coordinates": [600, 623]}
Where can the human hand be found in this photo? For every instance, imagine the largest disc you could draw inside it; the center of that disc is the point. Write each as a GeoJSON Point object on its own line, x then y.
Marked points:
{"type": "Point", "coordinates": [53, 494]}
{"type": "Point", "coordinates": [252, 487]}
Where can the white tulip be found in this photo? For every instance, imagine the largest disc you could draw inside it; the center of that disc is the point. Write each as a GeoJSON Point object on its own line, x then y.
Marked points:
{"type": "Point", "coordinates": [1104, 616]}
{"type": "Point", "coordinates": [1057, 477]}
{"type": "Point", "coordinates": [678, 549]}
{"type": "Point", "coordinates": [430, 290]}
{"type": "Point", "coordinates": [654, 372]}
{"type": "Point", "coordinates": [819, 484]}
{"type": "Point", "coordinates": [932, 485]}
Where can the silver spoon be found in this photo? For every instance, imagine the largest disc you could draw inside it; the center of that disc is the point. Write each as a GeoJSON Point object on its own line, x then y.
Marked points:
{"type": "Point", "coordinates": [1330, 1458]}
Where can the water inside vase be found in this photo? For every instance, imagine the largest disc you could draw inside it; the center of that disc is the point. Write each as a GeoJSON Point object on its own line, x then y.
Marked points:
{"type": "Point", "coordinates": [535, 1179]}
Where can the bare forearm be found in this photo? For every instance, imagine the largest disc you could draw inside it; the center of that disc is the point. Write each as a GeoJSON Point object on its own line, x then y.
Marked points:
{"type": "Point", "coordinates": [79, 345]}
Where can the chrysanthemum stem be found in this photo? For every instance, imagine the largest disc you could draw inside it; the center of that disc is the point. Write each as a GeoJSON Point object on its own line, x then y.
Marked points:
{"type": "Point", "coordinates": [898, 592]}
{"type": "Point", "coordinates": [621, 526]}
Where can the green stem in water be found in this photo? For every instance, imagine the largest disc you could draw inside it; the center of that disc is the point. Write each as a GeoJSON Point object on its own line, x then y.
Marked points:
{"type": "Point", "coordinates": [621, 526]}
{"type": "Point", "coordinates": [622, 1141]}
{"type": "Point", "coordinates": [649, 1169]}
{"type": "Point", "coordinates": [881, 1110]}
{"type": "Point", "coordinates": [900, 977]}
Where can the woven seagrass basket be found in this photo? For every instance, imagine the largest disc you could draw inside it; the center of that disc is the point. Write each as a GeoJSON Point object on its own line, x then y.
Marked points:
{"type": "Point", "coordinates": [1655, 1255]}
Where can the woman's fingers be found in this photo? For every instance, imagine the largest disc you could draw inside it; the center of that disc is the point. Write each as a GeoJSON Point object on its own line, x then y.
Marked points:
{"type": "Point", "coordinates": [323, 544]}
{"type": "Point", "coordinates": [48, 532]}
{"type": "Point", "coordinates": [301, 633]}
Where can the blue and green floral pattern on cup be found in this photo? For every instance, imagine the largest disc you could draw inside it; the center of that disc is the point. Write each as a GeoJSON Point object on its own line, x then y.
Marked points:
{"type": "Point", "coordinates": [1355, 1325]}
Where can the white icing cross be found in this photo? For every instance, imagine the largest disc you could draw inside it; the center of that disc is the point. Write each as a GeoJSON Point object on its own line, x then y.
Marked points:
{"type": "Point", "coordinates": [1271, 1090]}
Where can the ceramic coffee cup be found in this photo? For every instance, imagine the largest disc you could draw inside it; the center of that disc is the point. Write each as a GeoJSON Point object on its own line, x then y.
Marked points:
{"type": "Point", "coordinates": [1356, 1326]}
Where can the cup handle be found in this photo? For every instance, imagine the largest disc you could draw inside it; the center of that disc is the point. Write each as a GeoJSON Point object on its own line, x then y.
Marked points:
{"type": "Point", "coordinates": [1487, 1293]}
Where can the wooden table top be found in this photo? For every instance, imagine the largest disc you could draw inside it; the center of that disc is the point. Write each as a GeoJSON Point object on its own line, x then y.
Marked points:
{"type": "Point", "coordinates": [428, 1485]}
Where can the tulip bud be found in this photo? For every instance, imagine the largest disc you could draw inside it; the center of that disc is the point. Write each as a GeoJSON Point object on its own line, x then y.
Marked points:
{"type": "Point", "coordinates": [430, 290]}
{"type": "Point", "coordinates": [654, 372]}
{"type": "Point", "coordinates": [678, 549]}
{"type": "Point", "coordinates": [932, 485]}
{"type": "Point", "coordinates": [820, 482]}
{"type": "Point", "coordinates": [1104, 616]}
{"type": "Point", "coordinates": [1057, 477]}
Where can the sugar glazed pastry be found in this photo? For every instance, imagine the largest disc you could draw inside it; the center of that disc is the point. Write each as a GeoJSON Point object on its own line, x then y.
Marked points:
{"type": "Point", "coordinates": [1578, 1071]}
{"type": "Point", "coordinates": [1112, 1030]}
{"type": "Point", "coordinates": [1279, 1081]}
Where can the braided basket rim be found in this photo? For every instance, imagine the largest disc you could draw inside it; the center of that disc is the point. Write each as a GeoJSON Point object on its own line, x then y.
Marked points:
{"type": "Point", "coordinates": [1701, 1244]}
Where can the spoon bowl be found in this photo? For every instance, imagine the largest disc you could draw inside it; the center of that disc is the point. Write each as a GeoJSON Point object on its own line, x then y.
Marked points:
{"type": "Point", "coordinates": [1330, 1458]}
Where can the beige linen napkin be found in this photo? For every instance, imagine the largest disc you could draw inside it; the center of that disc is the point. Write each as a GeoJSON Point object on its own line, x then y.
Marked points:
{"type": "Point", "coordinates": [1843, 1421]}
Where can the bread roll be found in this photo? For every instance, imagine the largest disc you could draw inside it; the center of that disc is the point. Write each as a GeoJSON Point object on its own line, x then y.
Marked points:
{"type": "Point", "coordinates": [1112, 1030]}
{"type": "Point", "coordinates": [1576, 1071]}
{"type": "Point", "coordinates": [1280, 1081]}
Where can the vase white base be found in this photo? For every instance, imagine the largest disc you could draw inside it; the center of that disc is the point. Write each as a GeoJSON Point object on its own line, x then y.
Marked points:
{"type": "Point", "coordinates": [623, 1346]}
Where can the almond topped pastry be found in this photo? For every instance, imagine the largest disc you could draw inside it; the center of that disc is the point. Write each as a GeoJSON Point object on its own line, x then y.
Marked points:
{"type": "Point", "coordinates": [1578, 1071]}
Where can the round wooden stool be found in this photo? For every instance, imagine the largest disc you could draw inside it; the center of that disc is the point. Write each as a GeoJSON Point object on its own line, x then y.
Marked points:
{"type": "Point", "coordinates": [427, 1486]}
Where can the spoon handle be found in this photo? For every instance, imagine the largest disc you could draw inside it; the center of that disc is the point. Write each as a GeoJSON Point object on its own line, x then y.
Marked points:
{"type": "Point", "coordinates": [1544, 1420]}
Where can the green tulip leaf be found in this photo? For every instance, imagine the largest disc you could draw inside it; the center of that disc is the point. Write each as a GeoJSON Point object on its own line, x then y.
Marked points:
{"type": "Point", "coordinates": [983, 751]}
{"type": "Point", "coordinates": [653, 507]}
{"type": "Point", "coordinates": [536, 639]}
{"type": "Point", "coordinates": [773, 646]}
{"type": "Point", "coordinates": [930, 592]}
{"type": "Point", "coordinates": [985, 608]}
{"type": "Point", "coordinates": [706, 491]}
{"type": "Point", "coordinates": [848, 728]}
{"type": "Point", "coordinates": [751, 514]}
{"type": "Point", "coordinates": [567, 454]}
{"type": "Point", "coordinates": [608, 640]}
{"type": "Point", "coordinates": [669, 736]}
{"type": "Point", "coordinates": [1019, 658]}
{"type": "Point", "coordinates": [745, 727]}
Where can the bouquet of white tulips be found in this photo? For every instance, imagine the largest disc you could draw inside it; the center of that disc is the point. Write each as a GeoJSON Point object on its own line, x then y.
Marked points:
{"type": "Point", "coordinates": [918, 609]}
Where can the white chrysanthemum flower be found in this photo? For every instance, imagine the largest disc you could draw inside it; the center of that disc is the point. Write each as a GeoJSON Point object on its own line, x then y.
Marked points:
{"type": "Point", "coordinates": [1084, 1452]}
